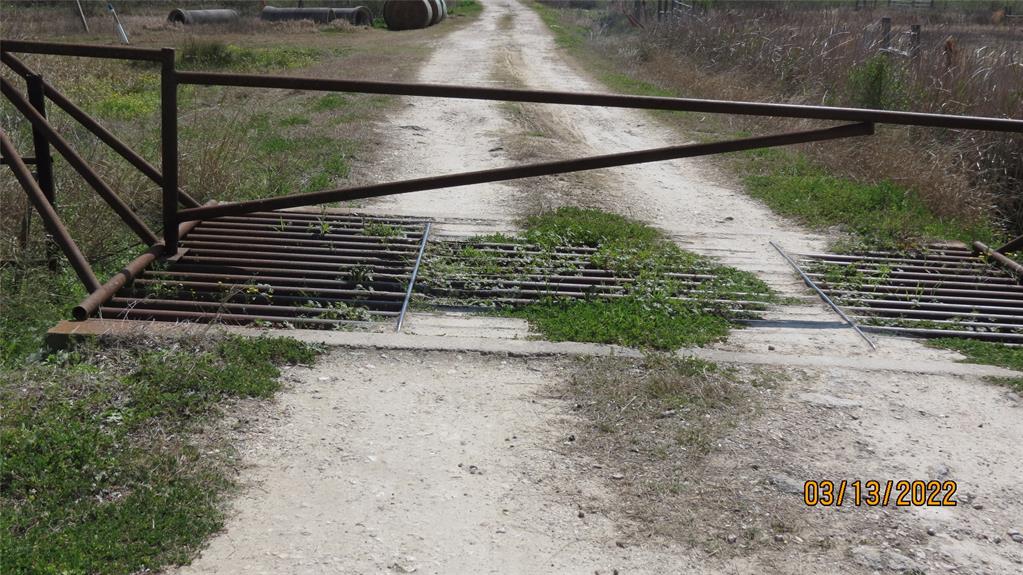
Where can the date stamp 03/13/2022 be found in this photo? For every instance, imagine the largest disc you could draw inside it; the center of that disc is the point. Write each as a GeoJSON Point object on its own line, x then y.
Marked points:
{"type": "Point", "coordinates": [875, 493]}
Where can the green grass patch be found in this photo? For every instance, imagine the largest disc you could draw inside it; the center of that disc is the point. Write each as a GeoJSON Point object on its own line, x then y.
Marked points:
{"type": "Point", "coordinates": [107, 462]}
{"type": "Point", "coordinates": [656, 309]}
{"type": "Point", "coordinates": [987, 352]}
{"type": "Point", "coordinates": [294, 120]}
{"type": "Point", "coordinates": [198, 54]}
{"type": "Point", "coordinates": [565, 35]}
{"type": "Point", "coordinates": [634, 321]}
{"type": "Point", "coordinates": [329, 102]}
{"type": "Point", "coordinates": [464, 8]}
{"type": "Point", "coordinates": [880, 214]}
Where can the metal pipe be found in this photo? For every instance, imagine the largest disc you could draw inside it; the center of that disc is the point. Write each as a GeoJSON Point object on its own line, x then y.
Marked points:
{"type": "Point", "coordinates": [991, 336]}
{"type": "Point", "coordinates": [97, 129]}
{"type": "Point", "coordinates": [83, 50]}
{"type": "Point", "coordinates": [169, 145]}
{"type": "Point", "coordinates": [820, 292]}
{"type": "Point", "coordinates": [412, 280]}
{"type": "Point", "coordinates": [158, 314]}
{"type": "Point", "coordinates": [44, 161]}
{"type": "Point", "coordinates": [530, 170]}
{"type": "Point", "coordinates": [103, 293]}
{"type": "Point", "coordinates": [1009, 264]}
{"type": "Point", "coordinates": [24, 160]}
{"type": "Point", "coordinates": [50, 218]}
{"type": "Point", "coordinates": [607, 101]}
{"type": "Point", "coordinates": [79, 164]}
{"type": "Point", "coordinates": [1011, 246]}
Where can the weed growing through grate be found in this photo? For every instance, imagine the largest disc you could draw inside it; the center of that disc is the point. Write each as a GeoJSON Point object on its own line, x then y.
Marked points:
{"type": "Point", "coordinates": [108, 460]}
{"type": "Point", "coordinates": [672, 298]}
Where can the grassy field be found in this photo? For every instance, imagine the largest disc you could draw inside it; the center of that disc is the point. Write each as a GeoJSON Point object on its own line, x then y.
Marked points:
{"type": "Point", "coordinates": [929, 184]}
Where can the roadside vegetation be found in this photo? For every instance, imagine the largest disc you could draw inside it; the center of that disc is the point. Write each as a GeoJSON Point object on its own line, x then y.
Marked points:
{"type": "Point", "coordinates": [113, 458]}
{"type": "Point", "coordinates": [990, 353]}
{"type": "Point", "coordinates": [930, 184]}
{"type": "Point", "coordinates": [657, 309]}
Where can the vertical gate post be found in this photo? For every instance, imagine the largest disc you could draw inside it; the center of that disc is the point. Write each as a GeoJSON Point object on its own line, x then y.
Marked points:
{"type": "Point", "coordinates": [169, 145]}
{"type": "Point", "coordinates": [44, 161]}
{"type": "Point", "coordinates": [886, 33]}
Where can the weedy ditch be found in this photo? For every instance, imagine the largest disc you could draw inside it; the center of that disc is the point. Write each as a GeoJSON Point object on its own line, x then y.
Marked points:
{"type": "Point", "coordinates": [587, 275]}
{"type": "Point", "coordinates": [114, 456]}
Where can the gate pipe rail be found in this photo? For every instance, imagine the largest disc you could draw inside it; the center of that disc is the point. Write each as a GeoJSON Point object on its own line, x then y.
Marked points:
{"type": "Point", "coordinates": [77, 162]}
{"type": "Point", "coordinates": [527, 171]}
{"type": "Point", "coordinates": [606, 100]}
{"type": "Point", "coordinates": [1002, 259]}
{"type": "Point", "coordinates": [97, 129]}
{"type": "Point", "coordinates": [50, 218]}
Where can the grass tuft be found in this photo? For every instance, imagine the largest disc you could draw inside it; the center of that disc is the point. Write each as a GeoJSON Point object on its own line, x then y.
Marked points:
{"type": "Point", "coordinates": [987, 352]}
{"type": "Point", "coordinates": [107, 464]}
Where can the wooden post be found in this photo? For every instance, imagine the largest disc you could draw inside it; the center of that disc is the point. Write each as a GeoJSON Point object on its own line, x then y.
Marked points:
{"type": "Point", "coordinates": [886, 33]}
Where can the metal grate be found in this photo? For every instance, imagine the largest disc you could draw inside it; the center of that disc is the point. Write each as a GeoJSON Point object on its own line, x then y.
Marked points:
{"type": "Point", "coordinates": [489, 274]}
{"type": "Point", "coordinates": [940, 291]}
{"type": "Point", "coordinates": [293, 268]}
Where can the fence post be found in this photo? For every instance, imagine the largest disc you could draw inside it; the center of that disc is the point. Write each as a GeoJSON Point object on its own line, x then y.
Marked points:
{"type": "Point", "coordinates": [44, 161]}
{"type": "Point", "coordinates": [886, 33]}
{"type": "Point", "coordinates": [169, 144]}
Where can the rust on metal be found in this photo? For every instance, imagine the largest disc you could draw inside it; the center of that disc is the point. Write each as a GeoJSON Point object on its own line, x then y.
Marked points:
{"type": "Point", "coordinates": [527, 171]}
{"type": "Point", "coordinates": [939, 291]}
{"type": "Point", "coordinates": [51, 220]}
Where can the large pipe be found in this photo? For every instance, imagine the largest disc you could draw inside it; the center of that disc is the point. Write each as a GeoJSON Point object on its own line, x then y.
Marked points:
{"type": "Point", "coordinates": [50, 218]}
{"type": "Point", "coordinates": [357, 16]}
{"type": "Point", "coordinates": [527, 171]}
{"type": "Point", "coordinates": [216, 16]}
{"type": "Point", "coordinates": [318, 15]}
{"type": "Point", "coordinates": [78, 163]}
{"type": "Point", "coordinates": [97, 129]}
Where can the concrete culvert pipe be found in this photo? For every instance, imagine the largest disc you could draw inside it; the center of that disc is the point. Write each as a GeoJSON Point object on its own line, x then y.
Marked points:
{"type": "Point", "coordinates": [358, 16]}
{"type": "Point", "coordinates": [407, 14]}
{"type": "Point", "coordinates": [439, 11]}
{"type": "Point", "coordinates": [318, 15]}
{"type": "Point", "coordinates": [219, 16]}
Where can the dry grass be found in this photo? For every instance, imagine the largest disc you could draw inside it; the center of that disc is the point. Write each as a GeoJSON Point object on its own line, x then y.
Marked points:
{"type": "Point", "coordinates": [830, 56]}
{"type": "Point", "coordinates": [651, 423]}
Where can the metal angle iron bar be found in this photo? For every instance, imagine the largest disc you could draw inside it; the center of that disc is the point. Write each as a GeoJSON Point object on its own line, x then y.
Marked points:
{"type": "Point", "coordinates": [809, 282]}
{"type": "Point", "coordinates": [51, 220]}
{"type": "Point", "coordinates": [24, 160]}
{"type": "Point", "coordinates": [412, 279]}
{"type": "Point", "coordinates": [78, 163]}
{"type": "Point", "coordinates": [605, 100]}
{"type": "Point", "coordinates": [527, 171]}
{"type": "Point", "coordinates": [97, 129]}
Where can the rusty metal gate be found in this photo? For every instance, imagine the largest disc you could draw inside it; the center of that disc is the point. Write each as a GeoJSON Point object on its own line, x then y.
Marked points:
{"type": "Point", "coordinates": [200, 251]}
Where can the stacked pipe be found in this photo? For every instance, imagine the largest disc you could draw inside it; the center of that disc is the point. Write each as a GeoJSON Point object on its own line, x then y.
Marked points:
{"type": "Point", "coordinates": [414, 14]}
{"type": "Point", "coordinates": [357, 16]}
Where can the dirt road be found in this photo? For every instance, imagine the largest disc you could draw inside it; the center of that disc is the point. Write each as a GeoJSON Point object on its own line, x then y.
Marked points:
{"type": "Point", "coordinates": [405, 460]}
